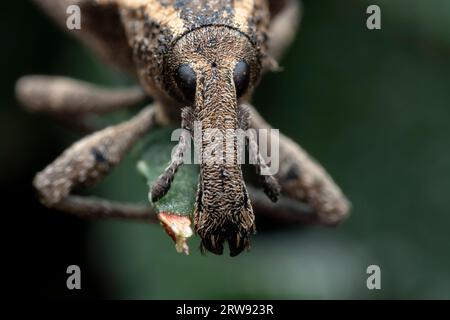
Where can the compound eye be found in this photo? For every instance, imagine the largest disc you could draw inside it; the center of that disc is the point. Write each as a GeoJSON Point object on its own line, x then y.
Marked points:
{"type": "Point", "coordinates": [241, 77]}
{"type": "Point", "coordinates": [186, 81]}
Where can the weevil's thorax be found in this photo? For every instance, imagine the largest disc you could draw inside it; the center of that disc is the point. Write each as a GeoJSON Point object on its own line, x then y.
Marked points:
{"type": "Point", "coordinates": [158, 30]}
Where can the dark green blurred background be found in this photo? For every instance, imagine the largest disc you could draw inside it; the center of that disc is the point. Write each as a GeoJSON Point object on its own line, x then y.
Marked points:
{"type": "Point", "coordinates": [372, 106]}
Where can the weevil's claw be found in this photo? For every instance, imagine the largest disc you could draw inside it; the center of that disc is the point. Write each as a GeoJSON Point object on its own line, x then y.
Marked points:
{"type": "Point", "coordinates": [271, 187]}
{"type": "Point", "coordinates": [159, 190]}
{"type": "Point", "coordinates": [162, 185]}
{"type": "Point", "coordinates": [238, 240]}
{"type": "Point", "coordinates": [212, 244]}
{"type": "Point", "coordinates": [237, 244]}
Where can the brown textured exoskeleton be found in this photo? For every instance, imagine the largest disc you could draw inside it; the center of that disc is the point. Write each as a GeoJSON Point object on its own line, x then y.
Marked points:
{"type": "Point", "coordinates": [199, 60]}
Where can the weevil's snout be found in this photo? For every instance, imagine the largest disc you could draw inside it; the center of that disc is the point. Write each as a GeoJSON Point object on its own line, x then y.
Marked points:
{"type": "Point", "coordinates": [211, 69]}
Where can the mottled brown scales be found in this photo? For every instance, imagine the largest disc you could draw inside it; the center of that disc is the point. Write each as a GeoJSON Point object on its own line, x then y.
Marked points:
{"type": "Point", "coordinates": [203, 56]}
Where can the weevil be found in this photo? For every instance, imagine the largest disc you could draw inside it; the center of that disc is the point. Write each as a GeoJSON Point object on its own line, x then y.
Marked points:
{"type": "Point", "coordinates": [198, 60]}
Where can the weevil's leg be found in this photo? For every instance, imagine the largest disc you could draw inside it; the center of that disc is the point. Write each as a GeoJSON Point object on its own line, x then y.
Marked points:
{"type": "Point", "coordinates": [87, 161]}
{"type": "Point", "coordinates": [162, 185]}
{"type": "Point", "coordinates": [96, 208]}
{"type": "Point", "coordinates": [303, 179]}
{"type": "Point", "coordinates": [285, 210]}
{"type": "Point", "coordinates": [270, 184]}
{"type": "Point", "coordinates": [283, 27]}
{"type": "Point", "coordinates": [61, 96]}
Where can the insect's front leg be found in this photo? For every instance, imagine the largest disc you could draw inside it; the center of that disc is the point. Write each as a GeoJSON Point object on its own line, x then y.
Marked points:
{"type": "Point", "coordinates": [303, 179]}
{"type": "Point", "coordinates": [270, 184]}
{"type": "Point", "coordinates": [89, 160]}
{"type": "Point", "coordinates": [162, 185]}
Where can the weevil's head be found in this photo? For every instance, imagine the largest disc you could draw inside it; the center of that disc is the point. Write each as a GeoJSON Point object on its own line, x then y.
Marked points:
{"type": "Point", "coordinates": [212, 58]}
{"type": "Point", "coordinates": [178, 46]}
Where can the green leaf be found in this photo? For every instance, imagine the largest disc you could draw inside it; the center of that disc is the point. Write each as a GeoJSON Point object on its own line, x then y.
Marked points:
{"type": "Point", "coordinates": [155, 158]}
{"type": "Point", "coordinates": [176, 207]}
